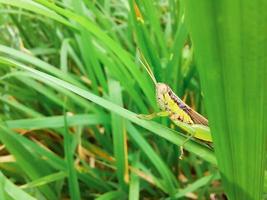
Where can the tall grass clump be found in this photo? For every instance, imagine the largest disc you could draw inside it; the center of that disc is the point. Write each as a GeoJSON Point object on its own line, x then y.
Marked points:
{"type": "Point", "coordinates": [72, 85]}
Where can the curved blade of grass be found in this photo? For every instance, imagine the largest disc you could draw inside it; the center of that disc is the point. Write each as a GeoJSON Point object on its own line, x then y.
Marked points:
{"type": "Point", "coordinates": [113, 195]}
{"type": "Point", "coordinates": [12, 190]}
{"type": "Point", "coordinates": [154, 127]}
{"type": "Point", "coordinates": [57, 121]}
{"type": "Point", "coordinates": [52, 96]}
{"type": "Point", "coordinates": [45, 180]}
{"type": "Point", "coordinates": [119, 136]}
{"type": "Point", "coordinates": [196, 185]}
{"type": "Point", "coordinates": [231, 52]}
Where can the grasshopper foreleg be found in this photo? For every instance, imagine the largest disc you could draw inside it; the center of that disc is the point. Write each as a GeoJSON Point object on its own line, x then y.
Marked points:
{"type": "Point", "coordinates": [153, 115]}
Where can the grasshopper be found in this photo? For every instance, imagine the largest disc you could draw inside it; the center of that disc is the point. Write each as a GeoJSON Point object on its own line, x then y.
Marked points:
{"type": "Point", "coordinates": [178, 111]}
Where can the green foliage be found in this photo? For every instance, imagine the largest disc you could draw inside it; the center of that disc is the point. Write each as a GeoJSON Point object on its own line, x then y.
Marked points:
{"type": "Point", "coordinates": [71, 88]}
{"type": "Point", "coordinates": [231, 56]}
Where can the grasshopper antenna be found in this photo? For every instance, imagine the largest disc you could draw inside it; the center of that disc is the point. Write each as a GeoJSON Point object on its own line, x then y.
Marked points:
{"type": "Point", "coordinates": [145, 64]}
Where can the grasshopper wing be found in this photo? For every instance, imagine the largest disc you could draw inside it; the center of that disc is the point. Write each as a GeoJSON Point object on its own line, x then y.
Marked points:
{"type": "Point", "coordinates": [196, 117]}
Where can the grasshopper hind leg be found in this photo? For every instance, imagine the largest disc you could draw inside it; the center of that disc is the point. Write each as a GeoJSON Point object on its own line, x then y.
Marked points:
{"type": "Point", "coordinates": [182, 145]}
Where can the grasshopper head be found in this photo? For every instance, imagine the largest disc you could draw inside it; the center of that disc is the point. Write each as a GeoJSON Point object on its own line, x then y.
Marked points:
{"type": "Point", "coordinates": [162, 90]}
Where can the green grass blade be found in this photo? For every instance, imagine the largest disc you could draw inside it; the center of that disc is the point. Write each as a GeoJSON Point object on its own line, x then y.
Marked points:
{"type": "Point", "coordinates": [196, 185]}
{"type": "Point", "coordinates": [231, 50]}
{"type": "Point", "coordinates": [70, 144]}
{"type": "Point", "coordinates": [12, 190]}
{"type": "Point", "coordinates": [45, 180]}
{"type": "Point", "coordinates": [119, 136]}
{"type": "Point", "coordinates": [113, 195]}
{"type": "Point", "coordinates": [57, 121]}
{"type": "Point", "coordinates": [64, 56]}
{"type": "Point", "coordinates": [134, 180]}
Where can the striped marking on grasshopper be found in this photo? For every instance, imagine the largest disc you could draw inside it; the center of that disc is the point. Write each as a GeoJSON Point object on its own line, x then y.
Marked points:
{"type": "Point", "coordinates": [178, 111]}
